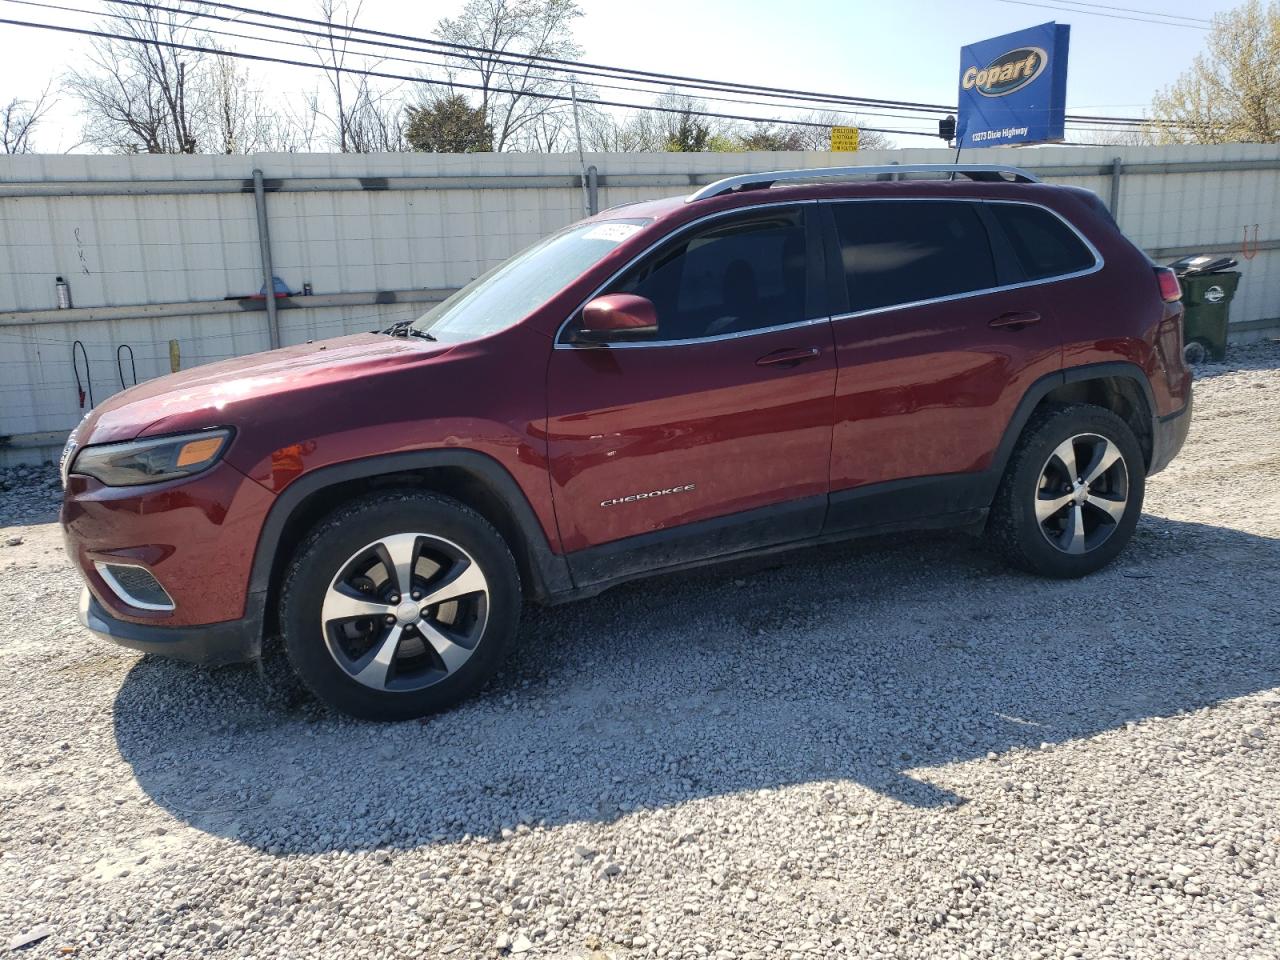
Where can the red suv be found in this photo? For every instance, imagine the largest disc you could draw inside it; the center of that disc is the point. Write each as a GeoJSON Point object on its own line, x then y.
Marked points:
{"type": "Point", "coordinates": [776, 360]}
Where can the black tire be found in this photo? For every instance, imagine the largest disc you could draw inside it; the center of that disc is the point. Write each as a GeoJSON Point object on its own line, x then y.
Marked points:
{"type": "Point", "coordinates": [1014, 528]}
{"type": "Point", "coordinates": [330, 550]}
{"type": "Point", "coordinates": [1196, 352]}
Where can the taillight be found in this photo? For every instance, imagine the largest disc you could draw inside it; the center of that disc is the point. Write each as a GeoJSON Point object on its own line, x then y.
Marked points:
{"type": "Point", "coordinates": [1170, 288]}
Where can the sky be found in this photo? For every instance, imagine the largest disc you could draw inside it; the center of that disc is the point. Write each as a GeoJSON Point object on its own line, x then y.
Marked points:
{"type": "Point", "coordinates": [905, 50]}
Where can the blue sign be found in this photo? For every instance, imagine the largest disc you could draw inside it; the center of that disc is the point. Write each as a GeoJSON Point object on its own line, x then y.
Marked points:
{"type": "Point", "coordinates": [1013, 89]}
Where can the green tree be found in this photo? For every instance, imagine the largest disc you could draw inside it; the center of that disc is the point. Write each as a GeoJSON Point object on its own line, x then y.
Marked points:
{"type": "Point", "coordinates": [449, 125]}
{"type": "Point", "coordinates": [1231, 93]}
{"type": "Point", "coordinates": [688, 135]}
{"type": "Point", "coordinates": [766, 136]}
{"type": "Point", "coordinates": [723, 143]}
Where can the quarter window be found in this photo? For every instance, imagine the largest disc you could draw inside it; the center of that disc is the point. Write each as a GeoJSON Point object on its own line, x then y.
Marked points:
{"type": "Point", "coordinates": [1043, 244]}
{"type": "Point", "coordinates": [735, 275]}
{"type": "Point", "coordinates": [897, 252]}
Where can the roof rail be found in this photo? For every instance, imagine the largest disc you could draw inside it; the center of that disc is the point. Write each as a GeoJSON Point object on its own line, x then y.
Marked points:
{"type": "Point", "coordinates": [761, 181]}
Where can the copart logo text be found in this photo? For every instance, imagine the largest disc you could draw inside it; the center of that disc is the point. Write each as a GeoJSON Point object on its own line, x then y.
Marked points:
{"type": "Point", "coordinates": [1006, 73]}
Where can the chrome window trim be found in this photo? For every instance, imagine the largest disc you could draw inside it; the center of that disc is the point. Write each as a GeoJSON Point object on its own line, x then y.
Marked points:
{"type": "Point", "coordinates": [104, 571]}
{"type": "Point", "coordinates": [1098, 261]}
{"type": "Point", "coordinates": [559, 344]}
{"type": "Point", "coordinates": [1098, 264]}
{"type": "Point", "coordinates": [692, 340]}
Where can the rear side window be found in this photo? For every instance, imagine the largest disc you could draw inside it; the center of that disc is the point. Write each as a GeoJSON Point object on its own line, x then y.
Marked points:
{"type": "Point", "coordinates": [904, 251]}
{"type": "Point", "coordinates": [1044, 245]}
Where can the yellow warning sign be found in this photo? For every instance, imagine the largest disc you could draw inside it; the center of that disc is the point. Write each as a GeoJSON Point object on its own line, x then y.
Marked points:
{"type": "Point", "coordinates": [844, 138]}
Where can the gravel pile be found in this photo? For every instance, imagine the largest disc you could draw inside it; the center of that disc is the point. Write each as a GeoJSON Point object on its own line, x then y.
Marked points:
{"type": "Point", "coordinates": [28, 494]}
{"type": "Point", "coordinates": [892, 748]}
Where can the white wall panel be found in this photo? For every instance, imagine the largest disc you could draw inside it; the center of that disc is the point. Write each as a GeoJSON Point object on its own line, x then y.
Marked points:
{"type": "Point", "coordinates": [136, 250]}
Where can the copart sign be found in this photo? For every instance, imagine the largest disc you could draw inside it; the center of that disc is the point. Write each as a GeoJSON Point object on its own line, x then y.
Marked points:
{"type": "Point", "coordinates": [1013, 89]}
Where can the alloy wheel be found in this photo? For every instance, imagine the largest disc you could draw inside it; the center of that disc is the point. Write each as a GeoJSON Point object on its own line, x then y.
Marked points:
{"type": "Point", "coordinates": [405, 611]}
{"type": "Point", "coordinates": [1082, 493]}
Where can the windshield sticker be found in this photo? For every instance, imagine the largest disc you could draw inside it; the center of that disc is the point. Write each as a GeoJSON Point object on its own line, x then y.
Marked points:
{"type": "Point", "coordinates": [617, 232]}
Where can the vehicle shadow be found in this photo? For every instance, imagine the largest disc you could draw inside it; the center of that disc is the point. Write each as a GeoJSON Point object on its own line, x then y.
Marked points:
{"type": "Point", "coordinates": [867, 663]}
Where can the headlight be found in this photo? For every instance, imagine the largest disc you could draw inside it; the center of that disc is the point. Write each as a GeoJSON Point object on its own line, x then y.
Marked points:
{"type": "Point", "coordinates": [151, 460]}
{"type": "Point", "coordinates": [69, 449]}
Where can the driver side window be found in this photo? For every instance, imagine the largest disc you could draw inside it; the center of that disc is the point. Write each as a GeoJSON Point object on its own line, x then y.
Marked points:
{"type": "Point", "coordinates": [735, 275]}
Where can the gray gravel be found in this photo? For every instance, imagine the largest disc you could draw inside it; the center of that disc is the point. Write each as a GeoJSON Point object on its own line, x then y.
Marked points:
{"type": "Point", "coordinates": [28, 494]}
{"type": "Point", "coordinates": [896, 748]}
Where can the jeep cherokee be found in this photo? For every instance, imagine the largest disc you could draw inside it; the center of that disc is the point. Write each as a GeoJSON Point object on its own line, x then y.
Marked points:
{"type": "Point", "coordinates": [778, 359]}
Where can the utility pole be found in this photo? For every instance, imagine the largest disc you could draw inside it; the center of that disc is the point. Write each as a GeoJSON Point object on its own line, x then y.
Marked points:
{"type": "Point", "coordinates": [577, 132]}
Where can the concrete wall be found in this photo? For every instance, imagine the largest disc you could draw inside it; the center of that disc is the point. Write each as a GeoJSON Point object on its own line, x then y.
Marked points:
{"type": "Point", "coordinates": [147, 269]}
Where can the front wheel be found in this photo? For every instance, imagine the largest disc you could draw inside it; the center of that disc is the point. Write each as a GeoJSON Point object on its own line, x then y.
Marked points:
{"type": "Point", "coordinates": [399, 605]}
{"type": "Point", "coordinates": [1071, 494]}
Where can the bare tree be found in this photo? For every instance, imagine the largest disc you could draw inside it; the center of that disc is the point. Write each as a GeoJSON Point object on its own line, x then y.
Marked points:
{"type": "Point", "coordinates": [681, 123]}
{"type": "Point", "coordinates": [300, 125]}
{"type": "Point", "coordinates": [1231, 93]}
{"type": "Point", "coordinates": [18, 119]}
{"type": "Point", "coordinates": [142, 96]}
{"type": "Point", "coordinates": [136, 94]}
{"type": "Point", "coordinates": [551, 132]}
{"type": "Point", "coordinates": [641, 131]}
{"type": "Point", "coordinates": [364, 117]}
{"type": "Point", "coordinates": [238, 120]}
{"type": "Point", "coordinates": [1102, 137]}
{"type": "Point", "coordinates": [513, 83]}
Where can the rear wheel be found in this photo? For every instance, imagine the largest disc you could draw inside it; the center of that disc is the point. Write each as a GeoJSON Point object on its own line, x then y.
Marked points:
{"type": "Point", "coordinates": [399, 605]}
{"type": "Point", "coordinates": [1072, 492]}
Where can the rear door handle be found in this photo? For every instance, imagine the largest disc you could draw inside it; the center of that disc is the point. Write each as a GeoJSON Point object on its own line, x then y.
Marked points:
{"type": "Point", "coordinates": [788, 357]}
{"type": "Point", "coordinates": [1014, 321]}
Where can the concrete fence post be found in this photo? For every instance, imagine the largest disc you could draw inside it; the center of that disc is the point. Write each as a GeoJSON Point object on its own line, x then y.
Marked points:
{"type": "Point", "coordinates": [264, 245]}
{"type": "Point", "coordinates": [593, 190]}
{"type": "Point", "coordinates": [1117, 168]}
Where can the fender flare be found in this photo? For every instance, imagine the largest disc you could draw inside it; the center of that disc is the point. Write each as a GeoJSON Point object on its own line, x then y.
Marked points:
{"type": "Point", "coordinates": [550, 571]}
{"type": "Point", "coordinates": [1111, 369]}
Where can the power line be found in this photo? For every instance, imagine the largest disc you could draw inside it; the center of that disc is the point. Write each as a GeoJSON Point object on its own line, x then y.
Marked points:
{"type": "Point", "coordinates": [630, 74]}
{"type": "Point", "coordinates": [1116, 123]}
{"type": "Point", "coordinates": [1152, 13]}
{"type": "Point", "coordinates": [572, 65]}
{"type": "Point", "coordinates": [874, 112]}
{"type": "Point", "coordinates": [506, 59]}
{"type": "Point", "coordinates": [1111, 16]}
{"type": "Point", "coordinates": [384, 57]}
{"type": "Point", "coordinates": [263, 58]}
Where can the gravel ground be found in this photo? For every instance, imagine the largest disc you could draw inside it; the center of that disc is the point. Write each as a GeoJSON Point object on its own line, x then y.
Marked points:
{"type": "Point", "coordinates": [893, 748]}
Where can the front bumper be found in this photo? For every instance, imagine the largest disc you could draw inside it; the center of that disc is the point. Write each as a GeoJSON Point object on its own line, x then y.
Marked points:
{"type": "Point", "coordinates": [233, 641]}
{"type": "Point", "coordinates": [197, 536]}
{"type": "Point", "coordinates": [1170, 433]}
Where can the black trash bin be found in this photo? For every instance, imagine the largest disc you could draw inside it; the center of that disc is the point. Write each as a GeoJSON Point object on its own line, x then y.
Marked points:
{"type": "Point", "coordinates": [1208, 285]}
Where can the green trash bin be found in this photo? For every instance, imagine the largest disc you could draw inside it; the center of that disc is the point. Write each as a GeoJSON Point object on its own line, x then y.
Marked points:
{"type": "Point", "coordinates": [1206, 298]}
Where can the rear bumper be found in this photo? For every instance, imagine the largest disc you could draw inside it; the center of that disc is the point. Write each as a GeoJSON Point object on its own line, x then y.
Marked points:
{"type": "Point", "coordinates": [1170, 433]}
{"type": "Point", "coordinates": [233, 641]}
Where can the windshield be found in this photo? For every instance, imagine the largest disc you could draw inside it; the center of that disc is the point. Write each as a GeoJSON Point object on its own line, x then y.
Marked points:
{"type": "Point", "coordinates": [512, 290]}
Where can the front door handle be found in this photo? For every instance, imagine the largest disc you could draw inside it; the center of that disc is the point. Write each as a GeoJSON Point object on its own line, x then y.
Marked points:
{"type": "Point", "coordinates": [788, 357]}
{"type": "Point", "coordinates": [1014, 321]}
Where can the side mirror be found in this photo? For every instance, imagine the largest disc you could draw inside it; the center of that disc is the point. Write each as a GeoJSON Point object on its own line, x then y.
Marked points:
{"type": "Point", "coordinates": [617, 317]}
